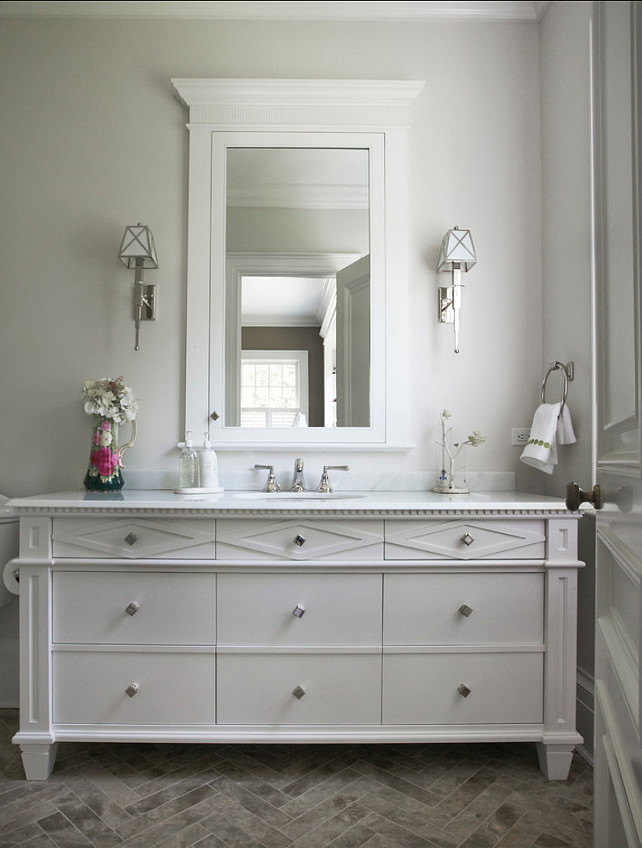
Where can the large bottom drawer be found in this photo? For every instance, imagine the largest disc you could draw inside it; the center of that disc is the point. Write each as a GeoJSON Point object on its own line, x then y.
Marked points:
{"type": "Point", "coordinates": [142, 688]}
{"type": "Point", "coordinates": [289, 688]}
{"type": "Point", "coordinates": [451, 688]}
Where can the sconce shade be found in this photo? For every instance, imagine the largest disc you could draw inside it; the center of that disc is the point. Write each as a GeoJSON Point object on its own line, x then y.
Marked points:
{"type": "Point", "coordinates": [457, 249]}
{"type": "Point", "coordinates": [138, 248]}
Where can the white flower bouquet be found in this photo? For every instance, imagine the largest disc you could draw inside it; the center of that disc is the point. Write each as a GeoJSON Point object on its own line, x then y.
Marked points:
{"type": "Point", "coordinates": [110, 399]}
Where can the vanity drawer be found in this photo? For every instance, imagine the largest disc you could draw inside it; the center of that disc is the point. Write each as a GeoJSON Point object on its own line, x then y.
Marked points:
{"type": "Point", "coordinates": [465, 539]}
{"type": "Point", "coordinates": [262, 689]}
{"type": "Point", "coordinates": [173, 688]}
{"type": "Point", "coordinates": [424, 688]}
{"type": "Point", "coordinates": [135, 608]}
{"type": "Point", "coordinates": [299, 539]}
{"type": "Point", "coordinates": [140, 538]}
{"type": "Point", "coordinates": [458, 609]}
{"type": "Point", "coordinates": [299, 609]}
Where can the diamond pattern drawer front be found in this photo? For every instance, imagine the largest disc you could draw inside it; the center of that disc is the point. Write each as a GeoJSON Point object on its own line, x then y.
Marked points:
{"type": "Point", "coordinates": [299, 689]}
{"type": "Point", "coordinates": [273, 539]}
{"type": "Point", "coordinates": [450, 688]}
{"type": "Point", "coordinates": [138, 538]}
{"type": "Point", "coordinates": [299, 609]}
{"type": "Point", "coordinates": [465, 539]}
{"type": "Point", "coordinates": [121, 687]}
{"type": "Point", "coordinates": [458, 609]}
{"type": "Point", "coordinates": [134, 608]}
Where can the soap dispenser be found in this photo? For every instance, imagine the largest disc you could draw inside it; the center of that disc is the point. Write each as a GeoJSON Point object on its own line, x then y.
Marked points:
{"type": "Point", "coordinates": [188, 465]}
{"type": "Point", "coordinates": [208, 466]}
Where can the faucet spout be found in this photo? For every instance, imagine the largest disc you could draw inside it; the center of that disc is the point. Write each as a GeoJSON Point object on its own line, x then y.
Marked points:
{"type": "Point", "coordinates": [298, 481]}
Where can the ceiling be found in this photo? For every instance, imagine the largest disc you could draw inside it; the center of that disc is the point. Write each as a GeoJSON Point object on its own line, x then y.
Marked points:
{"type": "Point", "coordinates": [390, 10]}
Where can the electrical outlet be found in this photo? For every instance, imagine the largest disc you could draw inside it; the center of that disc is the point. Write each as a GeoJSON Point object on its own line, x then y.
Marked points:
{"type": "Point", "coordinates": [520, 435]}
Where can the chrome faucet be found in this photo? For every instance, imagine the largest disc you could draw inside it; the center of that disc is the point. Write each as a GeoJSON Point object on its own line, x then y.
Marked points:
{"type": "Point", "coordinates": [298, 483]}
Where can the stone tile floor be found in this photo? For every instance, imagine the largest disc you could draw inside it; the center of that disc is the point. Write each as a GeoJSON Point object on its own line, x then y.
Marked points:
{"type": "Point", "coordinates": [291, 796]}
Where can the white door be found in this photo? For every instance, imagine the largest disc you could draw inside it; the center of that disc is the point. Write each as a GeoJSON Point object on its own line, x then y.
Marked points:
{"type": "Point", "coordinates": [617, 52]}
{"type": "Point", "coordinates": [353, 344]}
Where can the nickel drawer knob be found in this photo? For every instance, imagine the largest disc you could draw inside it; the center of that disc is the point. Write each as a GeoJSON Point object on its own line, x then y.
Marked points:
{"type": "Point", "coordinates": [133, 608]}
{"type": "Point", "coordinates": [132, 690]}
{"type": "Point", "coordinates": [464, 609]}
{"type": "Point", "coordinates": [131, 538]}
{"type": "Point", "coordinates": [298, 692]}
{"type": "Point", "coordinates": [467, 539]}
{"type": "Point", "coordinates": [463, 690]}
{"type": "Point", "coordinates": [298, 611]}
{"type": "Point", "coordinates": [299, 540]}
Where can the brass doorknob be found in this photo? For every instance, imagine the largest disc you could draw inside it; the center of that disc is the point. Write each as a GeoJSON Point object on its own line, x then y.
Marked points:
{"type": "Point", "coordinates": [575, 496]}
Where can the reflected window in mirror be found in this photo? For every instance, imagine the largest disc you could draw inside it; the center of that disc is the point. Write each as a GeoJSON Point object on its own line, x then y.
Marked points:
{"type": "Point", "coordinates": [274, 388]}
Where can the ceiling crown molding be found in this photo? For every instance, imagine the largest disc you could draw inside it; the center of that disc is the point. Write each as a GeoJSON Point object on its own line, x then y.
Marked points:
{"type": "Point", "coordinates": [389, 10]}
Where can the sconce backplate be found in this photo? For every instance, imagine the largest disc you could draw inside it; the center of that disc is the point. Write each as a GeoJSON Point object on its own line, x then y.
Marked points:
{"type": "Point", "coordinates": [446, 311]}
{"type": "Point", "coordinates": [145, 296]}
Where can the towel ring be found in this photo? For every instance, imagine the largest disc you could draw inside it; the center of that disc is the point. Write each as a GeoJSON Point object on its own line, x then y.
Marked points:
{"type": "Point", "coordinates": [567, 373]}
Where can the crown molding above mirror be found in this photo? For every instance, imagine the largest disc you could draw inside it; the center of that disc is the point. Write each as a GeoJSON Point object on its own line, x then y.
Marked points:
{"type": "Point", "coordinates": [236, 104]}
{"type": "Point", "coordinates": [230, 113]}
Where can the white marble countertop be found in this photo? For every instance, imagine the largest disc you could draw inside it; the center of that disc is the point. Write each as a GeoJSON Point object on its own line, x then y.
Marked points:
{"type": "Point", "coordinates": [258, 503]}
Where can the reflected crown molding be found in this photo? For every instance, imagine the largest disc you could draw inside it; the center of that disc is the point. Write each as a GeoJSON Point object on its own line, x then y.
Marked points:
{"type": "Point", "coordinates": [300, 196]}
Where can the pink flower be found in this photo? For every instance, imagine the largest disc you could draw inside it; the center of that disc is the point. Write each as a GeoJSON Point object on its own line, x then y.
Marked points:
{"type": "Point", "coordinates": [106, 424]}
{"type": "Point", "coordinates": [105, 461]}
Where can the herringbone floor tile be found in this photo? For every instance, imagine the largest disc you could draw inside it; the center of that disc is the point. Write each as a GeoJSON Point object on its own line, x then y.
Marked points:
{"type": "Point", "coordinates": [291, 796]}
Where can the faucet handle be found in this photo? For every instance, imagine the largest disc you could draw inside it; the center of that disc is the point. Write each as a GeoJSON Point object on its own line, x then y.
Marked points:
{"type": "Point", "coordinates": [324, 485]}
{"type": "Point", "coordinates": [271, 485]}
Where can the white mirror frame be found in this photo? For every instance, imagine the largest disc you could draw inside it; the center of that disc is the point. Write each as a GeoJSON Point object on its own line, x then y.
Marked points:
{"type": "Point", "coordinates": [373, 114]}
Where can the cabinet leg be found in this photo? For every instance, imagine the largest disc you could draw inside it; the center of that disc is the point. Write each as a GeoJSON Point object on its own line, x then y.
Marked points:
{"type": "Point", "coordinates": [555, 760]}
{"type": "Point", "coordinates": [38, 760]}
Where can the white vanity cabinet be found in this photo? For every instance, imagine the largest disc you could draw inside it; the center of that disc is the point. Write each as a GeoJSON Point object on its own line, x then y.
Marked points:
{"type": "Point", "coordinates": [391, 617]}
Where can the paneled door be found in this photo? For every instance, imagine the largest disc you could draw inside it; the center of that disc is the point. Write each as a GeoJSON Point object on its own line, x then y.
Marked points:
{"type": "Point", "coordinates": [353, 356]}
{"type": "Point", "coordinates": [617, 51]}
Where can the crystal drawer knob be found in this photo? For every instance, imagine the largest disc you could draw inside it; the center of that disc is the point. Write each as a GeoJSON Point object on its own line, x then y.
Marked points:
{"type": "Point", "coordinates": [464, 609]}
{"type": "Point", "coordinates": [298, 611]}
{"type": "Point", "coordinates": [132, 690]}
{"type": "Point", "coordinates": [467, 539]}
{"type": "Point", "coordinates": [133, 608]}
{"type": "Point", "coordinates": [131, 538]}
{"type": "Point", "coordinates": [463, 690]}
{"type": "Point", "coordinates": [299, 540]}
{"type": "Point", "coordinates": [298, 692]}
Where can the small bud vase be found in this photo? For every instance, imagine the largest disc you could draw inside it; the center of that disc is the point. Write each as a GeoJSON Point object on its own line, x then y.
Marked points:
{"type": "Point", "coordinates": [105, 458]}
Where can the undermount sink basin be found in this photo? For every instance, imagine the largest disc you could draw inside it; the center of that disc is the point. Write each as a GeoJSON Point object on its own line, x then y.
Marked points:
{"type": "Point", "coordinates": [298, 496]}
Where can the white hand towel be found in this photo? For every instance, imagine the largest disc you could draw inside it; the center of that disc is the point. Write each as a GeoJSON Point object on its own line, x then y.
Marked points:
{"type": "Point", "coordinates": [541, 450]}
{"type": "Point", "coordinates": [565, 433]}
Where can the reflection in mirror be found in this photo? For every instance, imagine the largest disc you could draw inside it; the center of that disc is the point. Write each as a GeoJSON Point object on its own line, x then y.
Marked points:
{"type": "Point", "coordinates": [297, 345]}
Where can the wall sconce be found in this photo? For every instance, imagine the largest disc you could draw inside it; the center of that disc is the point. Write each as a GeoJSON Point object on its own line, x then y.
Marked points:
{"type": "Point", "coordinates": [457, 253]}
{"type": "Point", "coordinates": [138, 251]}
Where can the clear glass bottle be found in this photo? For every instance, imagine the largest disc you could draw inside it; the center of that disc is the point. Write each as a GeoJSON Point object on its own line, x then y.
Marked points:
{"type": "Point", "coordinates": [188, 465]}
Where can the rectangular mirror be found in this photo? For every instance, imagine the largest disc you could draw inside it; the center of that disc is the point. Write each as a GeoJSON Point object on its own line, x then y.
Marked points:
{"type": "Point", "coordinates": [297, 296]}
{"type": "Point", "coordinates": [286, 207]}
